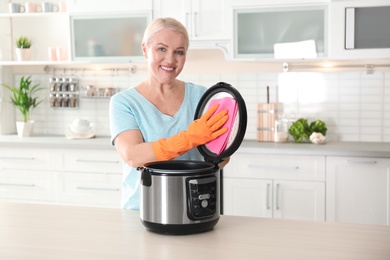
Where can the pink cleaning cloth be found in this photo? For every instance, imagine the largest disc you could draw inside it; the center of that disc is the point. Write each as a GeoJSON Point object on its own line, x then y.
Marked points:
{"type": "Point", "coordinates": [218, 145]}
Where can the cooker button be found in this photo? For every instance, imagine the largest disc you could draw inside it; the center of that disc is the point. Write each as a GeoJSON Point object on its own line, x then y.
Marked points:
{"type": "Point", "coordinates": [204, 203]}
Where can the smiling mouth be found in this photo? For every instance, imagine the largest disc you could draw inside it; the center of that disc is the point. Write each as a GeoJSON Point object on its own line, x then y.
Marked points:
{"type": "Point", "coordinates": [166, 68]}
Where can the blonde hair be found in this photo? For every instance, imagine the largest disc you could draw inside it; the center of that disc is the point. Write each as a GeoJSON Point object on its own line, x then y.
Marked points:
{"type": "Point", "coordinates": [164, 23]}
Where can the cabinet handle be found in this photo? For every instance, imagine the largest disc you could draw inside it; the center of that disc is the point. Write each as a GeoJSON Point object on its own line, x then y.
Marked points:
{"type": "Point", "coordinates": [17, 184]}
{"type": "Point", "coordinates": [195, 29]}
{"type": "Point", "coordinates": [187, 15]}
{"type": "Point", "coordinates": [273, 167]}
{"type": "Point", "coordinates": [17, 158]}
{"type": "Point", "coordinates": [268, 195]}
{"type": "Point", "coordinates": [95, 161]}
{"type": "Point", "coordinates": [277, 196]}
{"type": "Point", "coordinates": [98, 189]}
{"type": "Point", "coordinates": [361, 162]}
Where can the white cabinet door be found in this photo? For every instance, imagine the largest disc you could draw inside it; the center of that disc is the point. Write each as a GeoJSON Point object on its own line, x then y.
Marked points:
{"type": "Point", "coordinates": [204, 20]}
{"type": "Point", "coordinates": [280, 186]}
{"type": "Point", "coordinates": [274, 198]}
{"type": "Point", "coordinates": [258, 30]}
{"type": "Point", "coordinates": [27, 185]}
{"type": "Point", "coordinates": [344, 27]}
{"type": "Point", "coordinates": [112, 5]}
{"type": "Point", "coordinates": [358, 190]}
{"type": "Point", "coordinates": [208, 20]}
{"type": "Point", "coordinates": [247, 197]}
{"type": "Point", "coordinates": [299, 200]}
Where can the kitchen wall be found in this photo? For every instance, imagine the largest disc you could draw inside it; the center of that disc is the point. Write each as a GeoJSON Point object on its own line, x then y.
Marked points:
{"type": "Point", "coordinates": [355, 105]}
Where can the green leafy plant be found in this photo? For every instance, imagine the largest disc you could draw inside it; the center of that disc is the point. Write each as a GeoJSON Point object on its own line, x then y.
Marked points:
{"type": "Point", "coordinates": [301, 129]}
{"type": "Point", "coordinates": [23, 42]}
{"type": "Point", "coordinates": [23, 97]}
{"type": "Point", "coordinates": [318, 126]}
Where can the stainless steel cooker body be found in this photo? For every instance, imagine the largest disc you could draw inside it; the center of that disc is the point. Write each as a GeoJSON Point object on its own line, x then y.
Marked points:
{"type": "Point", "coordinates": [180, 201]}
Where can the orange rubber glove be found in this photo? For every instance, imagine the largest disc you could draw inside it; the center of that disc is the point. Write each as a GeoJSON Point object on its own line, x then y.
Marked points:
{"type": "Point", "coordinates": [200, 131]}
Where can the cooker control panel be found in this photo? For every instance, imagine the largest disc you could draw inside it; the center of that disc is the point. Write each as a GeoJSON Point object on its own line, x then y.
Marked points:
{"type": "Point", "coordinates": [201, 197]}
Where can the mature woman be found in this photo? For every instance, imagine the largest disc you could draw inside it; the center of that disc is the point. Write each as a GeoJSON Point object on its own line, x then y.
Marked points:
{"type": "Point", "coordinates": [153, 121]}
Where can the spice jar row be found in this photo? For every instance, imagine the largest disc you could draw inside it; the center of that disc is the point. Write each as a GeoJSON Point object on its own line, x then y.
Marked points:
{"type": "Point", "coordinates": [63, 100]}
{"type": "Point", "coordinates": [93, 92]}
{"type": "Point", "coordinates": [63, 92]}
{"type": "Point", "coordinates": [63, 84]}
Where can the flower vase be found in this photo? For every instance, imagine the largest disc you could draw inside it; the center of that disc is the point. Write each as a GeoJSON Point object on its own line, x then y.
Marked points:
{"type": "Point", "coordinates": [23, 54]}
{"type": "Point", "coordinates": [24, 129]}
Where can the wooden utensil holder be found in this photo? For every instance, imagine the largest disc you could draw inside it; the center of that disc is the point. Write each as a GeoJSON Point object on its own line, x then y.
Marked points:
{"type": "Point", "coordinates": [267, 113]}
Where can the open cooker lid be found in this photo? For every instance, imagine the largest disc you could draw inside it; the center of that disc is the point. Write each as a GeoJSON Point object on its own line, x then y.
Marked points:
{"type": "Point", "coordinates": [222, 90]}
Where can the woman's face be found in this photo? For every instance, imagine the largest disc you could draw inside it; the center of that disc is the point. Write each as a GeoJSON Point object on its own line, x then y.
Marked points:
{"type": "Point", "coordinates": [166, 55]}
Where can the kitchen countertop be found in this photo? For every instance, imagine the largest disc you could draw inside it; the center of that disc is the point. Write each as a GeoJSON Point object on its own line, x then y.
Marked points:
{"type": "Point", "coordinates": [53, 232]}
{"type": "Point", "coordinates": [56, 141]}
{"type": "Point", "coordinates": [365, 149]}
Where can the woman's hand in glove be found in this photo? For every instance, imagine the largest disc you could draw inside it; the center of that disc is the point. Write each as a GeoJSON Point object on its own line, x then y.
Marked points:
{"type": "Point", "coordinates": [208, 127]}
{"type": "Point", "coordinates": [200, 131]}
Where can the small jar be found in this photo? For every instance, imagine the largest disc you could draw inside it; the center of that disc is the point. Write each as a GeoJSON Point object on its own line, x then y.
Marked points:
{"type": "Point", "coordinates": [65, 101]}
{"type": "Point", "coordinates": [52, 84]}
{"type": "Point", "coordinates": [58, 84]}
{"type": "Point", "coordinates": [58, 100]}
{"type": "Point", "coordinates": [72, 100]}
{"type": "Point", "coordinates": [65, 84]}
{"type": "Point", "coordinates": [90, 92]}
{"type": "Point", "coordinates": [72, 84]}
{"type": "Point", "coordinates": [52, 100]}
{"type": "Point", "coordinates": [108, 92]}
{"type": "Point", "coordinates": [281, 130]}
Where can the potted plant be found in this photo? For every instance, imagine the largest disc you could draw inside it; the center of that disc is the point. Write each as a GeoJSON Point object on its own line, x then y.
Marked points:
{"type": "Point", "coordinates": [23, 51]}
{"type": "Point", "coordinates": [23, 98]}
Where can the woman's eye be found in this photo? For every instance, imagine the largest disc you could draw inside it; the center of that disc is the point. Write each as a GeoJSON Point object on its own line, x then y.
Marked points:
{"type": "Point", "coordinates": [161, 49]}
{"type": "Point", "coordinates": [180, 52]}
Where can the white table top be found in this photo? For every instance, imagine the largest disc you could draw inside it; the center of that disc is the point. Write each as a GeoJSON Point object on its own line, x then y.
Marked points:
{"type": "Point", "coordinates": [41, 232]}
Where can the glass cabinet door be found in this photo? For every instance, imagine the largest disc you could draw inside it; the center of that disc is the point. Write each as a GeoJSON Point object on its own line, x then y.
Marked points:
{"type": "Point", "coordinates": [113, 38]}
{"type": "Point", "coordinates": [367, 27]}
{"type": "Point", "coordinates": [257, 31]}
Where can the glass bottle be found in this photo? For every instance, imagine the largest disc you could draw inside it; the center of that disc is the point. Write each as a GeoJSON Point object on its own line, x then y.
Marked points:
{"type": "Point", "coordinates": [52, 84]}
{"type": "Point", "coordinates": [52, 100]}
{"type": "Point", "coordinates": [281, 130]}
{"type": "Point", "coordinates": [72, 100]}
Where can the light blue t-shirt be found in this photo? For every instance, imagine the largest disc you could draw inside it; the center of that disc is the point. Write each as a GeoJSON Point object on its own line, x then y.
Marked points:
{"type": "Point", "coordinates": [130, 110]}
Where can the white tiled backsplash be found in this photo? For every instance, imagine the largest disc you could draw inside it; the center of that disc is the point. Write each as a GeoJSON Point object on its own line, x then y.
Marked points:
{"type": "Point", "coordinates": [355, 105]}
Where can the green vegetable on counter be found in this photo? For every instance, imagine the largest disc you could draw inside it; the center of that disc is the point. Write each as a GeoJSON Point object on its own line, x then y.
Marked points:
{"type": "Point", "coordinates": [318, 126]}
{"type": "Point", "coordinates": [301, 129]}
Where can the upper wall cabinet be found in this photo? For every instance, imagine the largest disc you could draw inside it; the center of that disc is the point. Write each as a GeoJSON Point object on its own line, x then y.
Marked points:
{"type": "Point", "coordinates": [287, 32]}
{"type": "Point", "coordinates": [109, 37]}
{"type": "Point", "coordinates": [360, 29]}
{"type": "Point", "coordinates": [109, 6]}
{"type": "Point", "coordinates": [204, 19]}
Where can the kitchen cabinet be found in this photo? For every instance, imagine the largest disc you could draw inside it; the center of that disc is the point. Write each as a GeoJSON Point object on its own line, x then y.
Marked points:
{"type": "Point", "coordinates": [204, 20]}
{"type": "Point", "coordinates": [118, 39]}
{"type": "Point", "coordinates": [257, 30]}
{"type": "Point", "coordinates": [109, 6]}
{"type": "Point", "coordinates": [358, 190]}
{"type": "Point", "coordinates": [25, 175]}
{"type": "Point", "coordinates": [88, 177]}
{"type": "Point", "coordinates": [77, 41]}
{"type": "Point", "coordinates": [360, 29]}
{"type": "Point", "coordinates": [278, 186]}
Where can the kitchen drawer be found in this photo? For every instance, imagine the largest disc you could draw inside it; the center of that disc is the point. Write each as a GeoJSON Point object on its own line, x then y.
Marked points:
{"type": "Point", "coordinates": [24, 158]}
{"type": "Point", "coordinates": [90, 189]}
{"type": "Point", "coordinates": [29, 185]}
{"type": "Point", "coordinates": [283, 167]}
{"type": "Point", "coordinates": [102, 161]}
